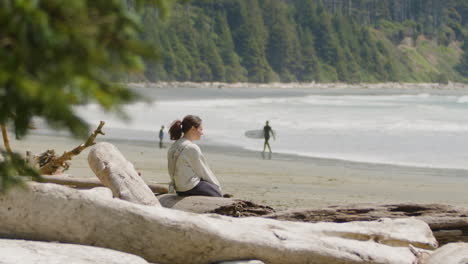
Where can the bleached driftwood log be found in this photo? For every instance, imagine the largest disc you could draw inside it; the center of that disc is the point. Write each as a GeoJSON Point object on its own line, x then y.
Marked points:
{"type": "Point", "coordinates": [53, 212]}
{"type": "Point", "coordinates": [14, 251]}
{"type": "Point", "coordinates": [88, 183]}
{"type": "Point", "coordinates": [448, 223]}
{"type": "Point", "coordinates": [34, 252]}
{"type": "Point", "coordinates": [453, 253]}
{"type": "Point", "coordinates": [218, 205]}
{"type": "Point", "coordinates": [118, 174]}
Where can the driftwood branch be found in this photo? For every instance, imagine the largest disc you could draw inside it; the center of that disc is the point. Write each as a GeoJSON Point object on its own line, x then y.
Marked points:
{"type": "Point", "coordinates": [88, 183]}
{"type": "Point", "coordinates": [55, 164]}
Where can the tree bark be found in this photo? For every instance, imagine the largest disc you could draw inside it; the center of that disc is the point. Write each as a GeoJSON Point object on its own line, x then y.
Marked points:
{"type": "Point", "coordinates": [6, 141]}
{"type": "Point", "coordinates": [51, 212]}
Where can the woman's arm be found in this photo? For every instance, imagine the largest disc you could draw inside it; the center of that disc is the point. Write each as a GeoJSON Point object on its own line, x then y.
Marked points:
{"type": "Point", "coordinates": [171, 163]}
{"type": "Point", "coordinates": [197, 161]}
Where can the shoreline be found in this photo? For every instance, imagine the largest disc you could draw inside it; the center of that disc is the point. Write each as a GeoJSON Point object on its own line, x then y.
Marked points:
{"type": "Point", "coordinates": [192, 91]}
{"type": "Point", "coordinates": [238, 151]}
{"type": "Point", "coordinates": [306, 85]}
{"type": "Point", "coordinates": [284, 182]}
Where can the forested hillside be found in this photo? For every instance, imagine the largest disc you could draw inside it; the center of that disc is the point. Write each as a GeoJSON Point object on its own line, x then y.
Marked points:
{"type": "Point", "coordinates": [310, 40]}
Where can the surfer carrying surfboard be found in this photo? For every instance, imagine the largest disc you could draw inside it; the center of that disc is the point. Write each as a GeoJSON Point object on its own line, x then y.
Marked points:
{"type": "Point", "coordinates": [267, 131]}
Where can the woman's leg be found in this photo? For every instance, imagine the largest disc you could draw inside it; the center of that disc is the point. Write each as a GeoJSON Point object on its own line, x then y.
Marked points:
{"type": "Point", "coordinates": [203, 188]}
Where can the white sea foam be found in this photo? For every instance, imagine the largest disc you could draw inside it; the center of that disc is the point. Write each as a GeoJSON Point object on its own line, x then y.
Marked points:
{"type": "Point", "coordinates": [462, 99]}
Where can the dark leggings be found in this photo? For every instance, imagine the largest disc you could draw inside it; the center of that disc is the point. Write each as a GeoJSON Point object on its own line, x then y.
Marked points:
{"type": "Point", "coordinates": [203, 188]}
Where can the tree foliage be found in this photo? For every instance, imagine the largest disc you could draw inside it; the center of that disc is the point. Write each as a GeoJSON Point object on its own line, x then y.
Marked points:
{"type": "Point", "coordinates": [462, 67]}
{"type": "Point", "coordinates": [301, 40]}
{"type": "Point", "coordinates": [56, 54]}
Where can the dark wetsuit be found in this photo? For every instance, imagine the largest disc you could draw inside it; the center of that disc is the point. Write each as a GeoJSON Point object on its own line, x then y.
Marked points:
{"type": "Point", "coordinates": [266, 132]}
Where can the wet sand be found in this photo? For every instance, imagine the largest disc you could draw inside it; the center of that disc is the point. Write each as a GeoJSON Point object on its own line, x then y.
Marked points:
{"type": "Point", "coordinates": [285, 181]}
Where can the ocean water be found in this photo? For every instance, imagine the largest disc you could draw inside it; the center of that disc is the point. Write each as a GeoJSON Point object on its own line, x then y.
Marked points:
{"type": "Point", "coordinates": [419, 129]}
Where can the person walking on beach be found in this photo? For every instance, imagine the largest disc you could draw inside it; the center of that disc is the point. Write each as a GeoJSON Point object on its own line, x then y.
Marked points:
{"type": "Point", "coordinates": [161, 137]}
{"type": "Point", "coordinates": [267, 131]}
{"type": "Point", "coordinates": [189, 172]}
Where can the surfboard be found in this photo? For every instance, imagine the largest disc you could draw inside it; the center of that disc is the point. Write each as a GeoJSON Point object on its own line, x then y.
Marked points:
{"type": "Point", "coordinates": [254, 133]}
{"type": "Point", "coordinates": [258, 134]}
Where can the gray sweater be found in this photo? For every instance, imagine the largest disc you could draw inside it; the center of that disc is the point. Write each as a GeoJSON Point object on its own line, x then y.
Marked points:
{"type": "Point", "coordinates": [187, 166]}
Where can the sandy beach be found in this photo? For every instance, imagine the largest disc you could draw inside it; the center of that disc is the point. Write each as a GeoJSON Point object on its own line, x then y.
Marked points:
{"type": "Point", "coordinates": [285, 181]}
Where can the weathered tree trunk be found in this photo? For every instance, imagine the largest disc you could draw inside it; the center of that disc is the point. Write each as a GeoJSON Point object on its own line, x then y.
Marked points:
{"type": "Point", "coordinates": [448, 223]}
{"type": "Point", "coordinates": [118, 174]}
{"type": "Point", "coordinates": [52, 212]}
{"type": "Point", "coordinates": [35, 252]}
{"type": "Point", "coordinates": [88, 183]}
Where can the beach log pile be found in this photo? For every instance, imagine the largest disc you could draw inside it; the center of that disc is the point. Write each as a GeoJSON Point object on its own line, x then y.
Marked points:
{"type": "Point", "coordinates": [448, 223]}
{"type": "Point", "coordinates": [50, 212]}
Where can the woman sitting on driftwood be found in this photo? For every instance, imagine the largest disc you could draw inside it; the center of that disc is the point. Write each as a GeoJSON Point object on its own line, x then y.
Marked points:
{"type": "Point", "coordinates": [189, 172]}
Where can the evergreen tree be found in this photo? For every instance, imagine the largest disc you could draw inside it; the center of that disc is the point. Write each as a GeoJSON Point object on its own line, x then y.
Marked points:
{"type": "Point", "coordinates": [234, 72]}
{"type": "Point", "coordinates": [326, 41]}
{"type": "Point", "coordinates": [305, 13]}
{"type": "Point", "coordinates": [250, 40]}
{"type": "Point", "coordinates": [182, 61]}
{"type": "Point", "coordinates": [462, 67]}
{"type": "Point", "coordinates": [209, 54]}
{"type": "Point", "coordinates": [154, 70]}
{"type": "Point", "coordinates": [311, 64]}
{"type": "Point", "coordinates": [283, 48]}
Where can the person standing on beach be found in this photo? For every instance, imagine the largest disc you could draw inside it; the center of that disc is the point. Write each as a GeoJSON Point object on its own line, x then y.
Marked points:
{"type": "Point", "coordinates": [189, 172]}
{"type": "Point", "coordinates": [267, 131]}
{"type": "Point", "coordinates": [161, 137]}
